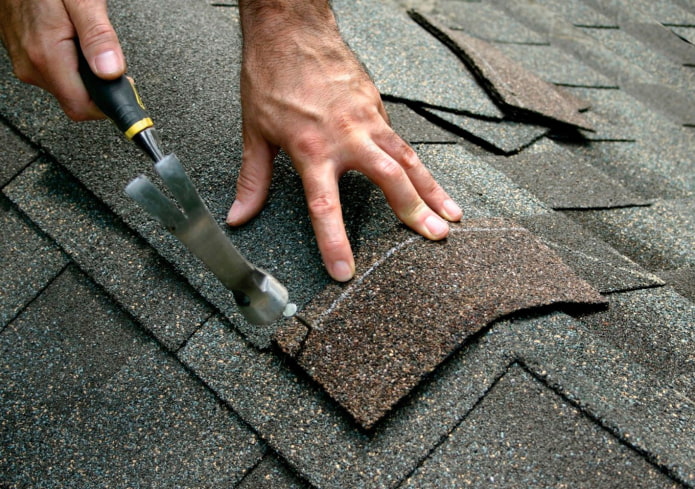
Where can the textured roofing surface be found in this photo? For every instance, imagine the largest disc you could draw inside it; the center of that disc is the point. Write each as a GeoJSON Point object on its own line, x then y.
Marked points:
{"type": "Point", "coordinates": [125, 363]}
{"type": "Point", "coordinates": [370, 343]}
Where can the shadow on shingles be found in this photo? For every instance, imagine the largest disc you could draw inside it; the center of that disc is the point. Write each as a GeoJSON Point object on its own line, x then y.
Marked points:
{"type": "Point", "coordinates": [414, 302]}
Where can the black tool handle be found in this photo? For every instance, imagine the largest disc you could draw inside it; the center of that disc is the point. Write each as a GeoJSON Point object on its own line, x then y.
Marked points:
{"type": "Point", "coordinates": [117, 98]}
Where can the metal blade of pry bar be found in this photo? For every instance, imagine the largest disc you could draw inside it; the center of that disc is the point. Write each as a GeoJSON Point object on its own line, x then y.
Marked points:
{"type": "Point", "coordinates": [261, 298]}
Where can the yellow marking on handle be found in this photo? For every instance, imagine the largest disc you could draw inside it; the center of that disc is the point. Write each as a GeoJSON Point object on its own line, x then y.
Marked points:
{"type": "Point", "coordinates": [137, 95]}
{"type": "Point", "coordinates": [138, 127]}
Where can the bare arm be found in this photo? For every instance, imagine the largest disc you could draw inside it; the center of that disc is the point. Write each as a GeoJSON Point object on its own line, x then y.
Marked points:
{"type": "Point", "coordinates": [302, 90]}
{"type": "Point", "coordinates": [39, 37]}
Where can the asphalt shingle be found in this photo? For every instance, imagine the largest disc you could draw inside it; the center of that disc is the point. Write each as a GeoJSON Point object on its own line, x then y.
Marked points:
{"type": "Point", "coordinates": [556, 66]}
{"type": "Point", "coordinates": [590, 257]}
{"type": "Point", "coordinates": [271, 473]}
{"type": "Point", "coordinates": [513, 88]}
{"type": "Point", "coordinates": [657, 237]}
{"type": "Point", "coordinates": [414, 128]}
{"type": "Point", "coordinates": [415, 302]}
{"type": "Point", "coordinates": [543, 441]}
{"type": "Point", "coordinates": [16, 154]}
{"type": "Point", "coordinates": [88, 399]}
{"type": "Point", "coordinates": [405, 61]}
{"type": "Point", "coordinates": [28, 261]}
{"type": "Point", "coordinates": [505, 136]}
{"type": "Point", "coordinates": [563, 181]}
{"type": "Point", "coordinates": [487, 22]}
{"type": "Point", "coordinates": [655, 326]}
{"type": "Point", "coordinates": [111, 253]}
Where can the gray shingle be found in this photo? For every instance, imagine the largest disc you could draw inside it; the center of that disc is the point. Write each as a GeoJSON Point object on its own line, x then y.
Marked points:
{"type": "Point", "coordinates": [653, 62]}
{"type": "Point", "coordinates": [637, 19]}
{"type": "Point", "coordinates": [503, 136]}
{"type": "Point", "coordinates": [677, 105]}
{"type": "Point", "coordinates": [271, 473]}
{"type": "Point", "coordinates": [655, 327]}
{"type": "Point", "coordinates": [578, 13]}
{"type": "Point", "coordinates": [556, 66]}
{"type": "Point", "coordinates": [658, 237]}
{"type": "Point", "coordinates": [480, 189]}
{"type": "Point", "coordinates": [405, 61]}
{"type": "Point", "coordinates": [117, 259]}
{"type": "Point", "coordinates": [487, 22]}
{"type": "Point", "coordinates": [516, 90]}
{"type": "Point", "coordinates": [563, 181]}
{"type": "Point", "coordinates": [592, 259]}
{"type": "Point", "coordinates": [682, 280]}
{"type": "Point", "coordinates": [414, 128]}
{"type": "Point", "coordinates": [643, 411]}
{"type": "Point", "coordinates": [88, 399]}
{"type": "Point", "coordinates": [542, 441]}
{"type": "Point", "coordinates": [16, 154]}
{"type": "Point", "coordinates": [28, 261]}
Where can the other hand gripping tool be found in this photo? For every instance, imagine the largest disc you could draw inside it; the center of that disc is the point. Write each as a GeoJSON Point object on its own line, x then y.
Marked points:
{"type": "Point", "coordinates": [261, 298]}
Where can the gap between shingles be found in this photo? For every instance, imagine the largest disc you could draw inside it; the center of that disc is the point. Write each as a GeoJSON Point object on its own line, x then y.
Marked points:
{"type": "Point", "coordinates": [388, 254]}
{"type": "Point", "coordinates": [613, 432]}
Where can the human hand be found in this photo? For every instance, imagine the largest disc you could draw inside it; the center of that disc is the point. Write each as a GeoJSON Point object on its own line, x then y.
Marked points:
{"type": "Point", "coordinates": [39, 36]}
{"type": "Point", "coordinates": [303, 90]}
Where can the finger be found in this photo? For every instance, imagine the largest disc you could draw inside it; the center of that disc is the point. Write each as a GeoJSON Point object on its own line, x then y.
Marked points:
{"type": "Point", "coordinates": [98, 39]}
{"type": "Point", "coordinates": [64, 82]}
{"type": "Point", "coordinates": [253, 182]}
{"type": "Point", "coordinates": [401, 195]}
{"type": "Point", "coordinates": [423, 181]}
{"type": "Point", "coordinates": [323, 201]}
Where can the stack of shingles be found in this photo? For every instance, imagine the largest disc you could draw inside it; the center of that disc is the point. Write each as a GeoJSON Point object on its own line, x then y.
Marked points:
{"type": "Point", "coordinates": [405, 313]}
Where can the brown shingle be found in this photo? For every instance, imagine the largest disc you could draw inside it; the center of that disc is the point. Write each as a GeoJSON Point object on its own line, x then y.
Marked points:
{"type": "Point", "coordinates": [370, 342]}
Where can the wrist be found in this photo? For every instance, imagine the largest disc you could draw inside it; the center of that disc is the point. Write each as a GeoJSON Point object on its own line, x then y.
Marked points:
{"type": "Point", "coordinates": [272, 19]}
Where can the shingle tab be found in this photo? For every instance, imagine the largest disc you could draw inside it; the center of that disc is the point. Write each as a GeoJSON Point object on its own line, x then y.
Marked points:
{"type": "Point", "coordinates": [414, 128]}
{"type": "Point", "coordinates": [516, 90]}
{"type": "Point", "coordinates": [483, 20]}
{"type": "Point", "coordinates": [88, 399]}
{"type": "Point", "coordinates": [405, 61]}
{"type": "Point", "coordinates": [370, 342]}
{"type": "Point", "coordinates": [590, 257]}
{"type": "Point", "coordinates": [657, 237]}
{"type": "Point", "coordinates": [16, 154]}
{"type": "Point", "coordinates": [556, 66]}
{"type": "Point", "coordinates": [28, 261]}
{"type": "Point", "coordinates": [496, 446]}
{"type": "Point", "coordinates": [557, 177]}
{"type": "Point", "coordinates": [655, 326]}
{"type": "Point", "coordinates": [110, 252]}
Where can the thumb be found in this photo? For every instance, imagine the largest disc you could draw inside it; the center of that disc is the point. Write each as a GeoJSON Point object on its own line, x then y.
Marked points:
{"type": "Point", "coordinates": [253, 182]}
{"type": "Point", "coordinates": [98, 39]}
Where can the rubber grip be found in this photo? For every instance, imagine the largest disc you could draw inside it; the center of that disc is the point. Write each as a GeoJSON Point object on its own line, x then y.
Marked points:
{"type": "Point", "coordinates": [117, 99]}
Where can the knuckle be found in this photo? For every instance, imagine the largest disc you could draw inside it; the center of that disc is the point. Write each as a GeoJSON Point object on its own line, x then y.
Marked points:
{"type": "Point", "coordinates": [388, 169]}
{"type": "Point", "coordinates": [310, 145]}
{"type": "Point", "coordinates": [323, 205]}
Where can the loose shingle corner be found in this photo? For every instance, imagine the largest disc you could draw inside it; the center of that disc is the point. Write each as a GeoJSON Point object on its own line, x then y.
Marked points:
{"type": "Point", "coordinates": [514, 88]}
{"type": "Point", "coordinates": [418, 301]}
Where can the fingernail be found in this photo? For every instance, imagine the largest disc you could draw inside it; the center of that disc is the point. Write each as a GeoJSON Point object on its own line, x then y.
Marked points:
{"type": "Point", "coordinates": [107, 63]}
{"type": "Point", "coordinates": [341, 271]}
{"type": "Point", "coordinates": [452, 210]}
{"type": "Point", "coordinates": [234, 211]}
{"type": "Point", "coordinates": [436, 226]}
